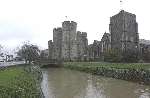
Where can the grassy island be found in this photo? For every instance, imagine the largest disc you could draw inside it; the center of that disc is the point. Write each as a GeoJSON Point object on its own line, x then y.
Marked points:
{"type": "Point", "coordinates": [137, 72]}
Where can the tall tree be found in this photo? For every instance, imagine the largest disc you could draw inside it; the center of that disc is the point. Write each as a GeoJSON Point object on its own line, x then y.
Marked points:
{"type": "Point", "coordinates": [29, 52]}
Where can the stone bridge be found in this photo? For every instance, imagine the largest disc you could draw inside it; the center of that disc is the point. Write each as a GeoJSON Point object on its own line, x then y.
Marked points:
{"type": "Point", "coordinates": [49, 62]}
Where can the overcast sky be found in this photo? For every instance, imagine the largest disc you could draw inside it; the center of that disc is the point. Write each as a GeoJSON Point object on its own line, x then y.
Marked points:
{"type": "Point", "coordinates": [34, 20]}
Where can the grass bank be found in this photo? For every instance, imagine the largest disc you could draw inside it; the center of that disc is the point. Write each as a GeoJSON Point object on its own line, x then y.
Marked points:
{"type": "Point", "coordinates": [20, 81]}
{"type": "Point", "coordinates": [137, 72]}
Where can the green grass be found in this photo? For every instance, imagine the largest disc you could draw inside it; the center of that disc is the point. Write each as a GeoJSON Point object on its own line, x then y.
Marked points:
{"type": "Point", "coordinates": [109, 65]}
{"type": "Point", "coordinates": [15, 82]}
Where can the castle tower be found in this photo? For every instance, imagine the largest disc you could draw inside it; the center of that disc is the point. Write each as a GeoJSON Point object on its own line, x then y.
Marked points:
{"type": "Point", "coordinates": [82, 46]}
{"type": "Point", "coordinates": [79, 46]}
{"type": "Point", "coordinates": [69, 50]}
{"type": "Point", "coordinates": [57, 41]}
{"type": "Point", "coordinates": [124, 31]}
{"type": "Point", "coordinates": [50, 48]}
{"type": "Point", "coordinates": [68, 44]}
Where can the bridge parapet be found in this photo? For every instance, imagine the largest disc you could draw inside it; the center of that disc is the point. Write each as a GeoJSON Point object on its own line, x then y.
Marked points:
{"type": "Point", "coordinates": [49, 62]}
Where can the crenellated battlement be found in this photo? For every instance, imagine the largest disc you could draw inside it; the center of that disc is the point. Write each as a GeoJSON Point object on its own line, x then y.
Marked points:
{"type": "Point", "coordinates": [69, 25]}
{"type": "Point", "coordinates": [57, 29]}
{"type": "Point", "coordinates": [84, 34]}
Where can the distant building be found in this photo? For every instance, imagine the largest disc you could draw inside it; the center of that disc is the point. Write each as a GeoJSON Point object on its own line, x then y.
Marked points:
{"type": "Point", "coordinates": [124, 32]}
{"type": "Point", "coordinates": [9, 58]}
{"type": "Point", "coordinates": [2, 59]}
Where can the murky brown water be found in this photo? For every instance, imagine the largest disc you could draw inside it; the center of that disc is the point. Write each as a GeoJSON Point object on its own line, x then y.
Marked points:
{"type": "Point", "coordinates": [65, 83]}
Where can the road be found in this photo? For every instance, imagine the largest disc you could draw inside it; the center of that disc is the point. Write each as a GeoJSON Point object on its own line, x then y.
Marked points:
{"type": "Point", "coordinates": [5, 64]}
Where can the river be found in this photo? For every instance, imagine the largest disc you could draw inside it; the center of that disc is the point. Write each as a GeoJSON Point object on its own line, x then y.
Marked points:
{"type": "Point", "coordinates": [65, 83]}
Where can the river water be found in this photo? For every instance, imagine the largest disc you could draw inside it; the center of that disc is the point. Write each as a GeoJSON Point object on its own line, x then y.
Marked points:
{"type": "Point", "coordinates": [65, 83]}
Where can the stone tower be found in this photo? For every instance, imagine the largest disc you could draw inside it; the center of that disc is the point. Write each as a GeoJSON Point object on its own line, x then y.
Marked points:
{"type": "Point", "coordinates": [51, 49]}
{"type": "Point", "coordinates": [57, 41]}
{"type": "Point", "coordinates": [124, 31]}
{"type": "Point", "coordinates": [69, 47]}
{"type": "Point", "coordinates": [82, 46]}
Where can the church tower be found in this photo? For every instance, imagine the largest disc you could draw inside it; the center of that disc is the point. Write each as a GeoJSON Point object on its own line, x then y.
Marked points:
{"type": "Point", "coordinates": [124, 32]}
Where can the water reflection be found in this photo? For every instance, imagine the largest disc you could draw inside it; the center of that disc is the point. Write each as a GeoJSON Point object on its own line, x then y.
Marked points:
{"type": "Point", "coordinates": [64, 83]}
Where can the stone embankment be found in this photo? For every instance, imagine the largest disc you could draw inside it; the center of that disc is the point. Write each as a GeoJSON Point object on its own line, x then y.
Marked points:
{"type": "Point", "coordinates": [140, 75]}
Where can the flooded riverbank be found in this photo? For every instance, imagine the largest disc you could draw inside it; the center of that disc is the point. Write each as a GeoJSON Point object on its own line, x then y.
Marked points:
{"type": "Point", "coordinates": [65, 83]}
